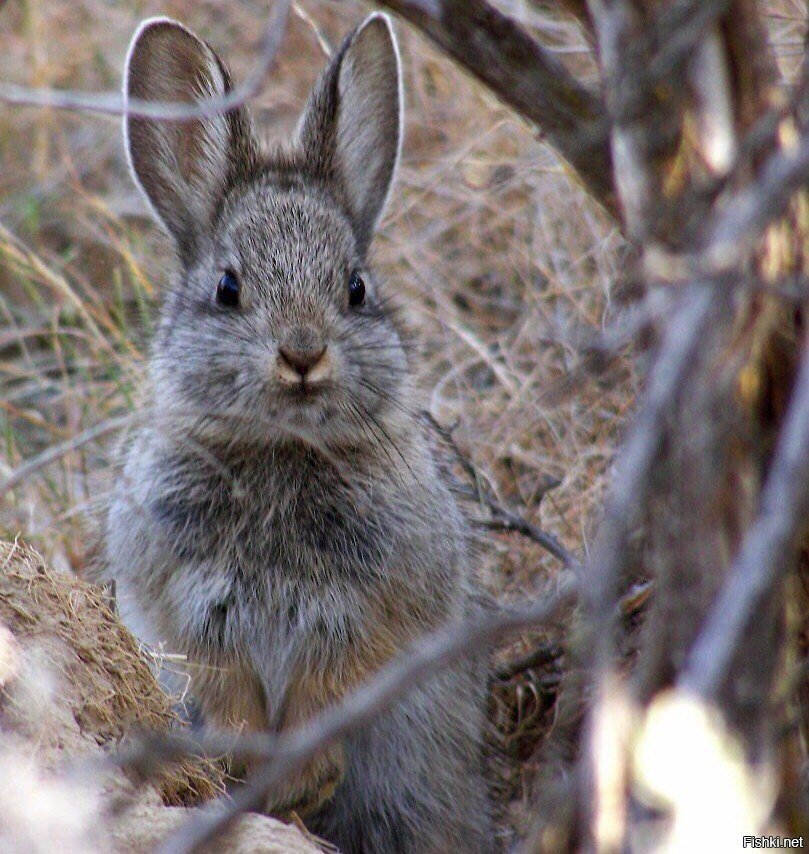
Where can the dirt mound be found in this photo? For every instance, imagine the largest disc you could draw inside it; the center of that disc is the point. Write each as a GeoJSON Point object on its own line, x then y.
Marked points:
{"type": "Point", "coordinates": [72, 683]}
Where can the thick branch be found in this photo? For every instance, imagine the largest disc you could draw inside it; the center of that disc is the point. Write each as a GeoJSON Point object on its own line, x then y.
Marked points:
{"type": "Point", "coordinates": [635, 467]}
{"type": "Point", "coordinates": [735, 229]}
{"type": "Point", "coordinates": [497, 51]}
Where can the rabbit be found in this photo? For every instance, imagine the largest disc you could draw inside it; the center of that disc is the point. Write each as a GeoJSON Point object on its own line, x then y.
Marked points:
{"type": "Point", "coordinates": [281, 517]}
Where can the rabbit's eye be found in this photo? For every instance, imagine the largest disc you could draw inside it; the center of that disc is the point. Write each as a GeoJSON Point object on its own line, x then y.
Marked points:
{"type": "Point", "coordinates": [227, 291]}
{"type": "Point", "coordinates": [356, 290]}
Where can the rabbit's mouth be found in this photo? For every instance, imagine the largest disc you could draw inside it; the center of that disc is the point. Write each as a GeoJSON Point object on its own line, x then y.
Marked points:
{"type": "Point", "coordinates": [307, 405]}
{"type": "Point", "coordinates": [304, 393]}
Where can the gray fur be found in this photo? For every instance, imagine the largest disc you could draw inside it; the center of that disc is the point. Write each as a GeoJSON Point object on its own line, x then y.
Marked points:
{"type": "Point", "coordinates": [291, 544]}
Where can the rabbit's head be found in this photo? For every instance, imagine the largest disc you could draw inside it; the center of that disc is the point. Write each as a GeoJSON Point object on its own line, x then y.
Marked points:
{"type": "Point", "coordinates": [275, 326]}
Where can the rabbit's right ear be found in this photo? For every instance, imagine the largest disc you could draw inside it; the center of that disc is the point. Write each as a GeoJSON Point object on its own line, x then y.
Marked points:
{"type": "Point", "coordinates": [183, 167]}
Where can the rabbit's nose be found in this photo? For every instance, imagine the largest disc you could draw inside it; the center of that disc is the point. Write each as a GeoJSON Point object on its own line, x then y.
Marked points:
{"type": "Point", "coordinates": [301, 360]}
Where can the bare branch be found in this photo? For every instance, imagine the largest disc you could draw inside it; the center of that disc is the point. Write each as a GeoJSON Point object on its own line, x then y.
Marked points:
{"type": "Point", "coordinates": [680, 28]}
{"type": "Point", "coordinates": [494, 48]}
{"type": "Point", "coordinates": [709, 76]}
{"type": "Point", "coordinates": [757, 206]}
{"type": "Point", "coordinates": [541, 655]}
{"type": "Point", "coordinates": [56, 452]}
{"type": "Point", "coordinates": [741, 221]}
{"type": "Point", "coordinates": [575, 8]}
{"type": "Point", "coordinates": [108, 103]}
{"type": "Point", "coordinates": [738, 225]}
{"type": "Point", "coordinates": [640, 56]}
{"type": "Point", "coordinates": [698, 309]}
{"type": "Point", "coordinates": [504, 518]}
{"type": "Point", "coordinates": [545, 654]}
{"type": "Point", "coordinates": [766, 554]}
{"type": "Point", "coordinates": [507, 520]}
{"type": "Point", "coordinates": [624, 52]}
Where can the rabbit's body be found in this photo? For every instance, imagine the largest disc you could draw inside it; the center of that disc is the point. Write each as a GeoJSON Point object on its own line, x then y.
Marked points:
{"type": "Point", "coordinates": [281, 618]}
{"type": "Point", "coordinates": [280, 518]}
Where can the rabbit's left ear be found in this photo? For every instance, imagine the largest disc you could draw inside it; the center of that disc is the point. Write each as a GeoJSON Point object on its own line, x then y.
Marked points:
{"type": "Point", "coordinates": [351, 130]}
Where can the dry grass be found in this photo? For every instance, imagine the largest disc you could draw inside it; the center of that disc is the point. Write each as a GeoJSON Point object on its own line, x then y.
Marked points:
{"type": "Point", "coordinates": [105, 682]}
{"type": "Point", "coordinates": [506, 266]}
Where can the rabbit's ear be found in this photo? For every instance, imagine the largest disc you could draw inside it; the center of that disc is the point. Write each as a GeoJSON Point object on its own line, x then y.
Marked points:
{"type": "Point", "coordinates": [183, 167]}
{"type": "Point", "coordinates": [352, 128]}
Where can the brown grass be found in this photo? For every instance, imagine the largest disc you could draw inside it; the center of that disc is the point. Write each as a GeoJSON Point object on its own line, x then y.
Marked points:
{"type": "Point", "coordinates": [104, 679]}
{"type": "Point", "coordinates": [507, 268]}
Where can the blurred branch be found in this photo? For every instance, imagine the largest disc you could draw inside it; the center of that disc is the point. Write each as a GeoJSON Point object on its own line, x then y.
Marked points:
{"type": "Point", "coordinates": [109, 103]}
{"type": "Point", "coordinates": [636, 113]}
{"type": "Point", "coordinates": [766, 554]}
{"type": "Point", "coordinates": [288, 751]}
{"type": "Point", "coordinates": [55, 452]}
{"type": "Point", "coordinates": [757, 206]}
{"type": "Point", "coordinates": [631, 484]}
{"type": "Point", "coordinates": [675, 34]}
{"type": "Point", "coordinates": [577, 9]}
{"type": "Point", "coordinates": [801, 89]}
{"type": "Point", "coordinates": [649, 63]}
{"type": "Point", "coordinates": [709, 76]}
{"type": "Point", "coordinates": [713, 98]}
{"type": "Point", "coordinates": [738, 225]}
{"type": "Point", "coordinates": [498, 52]}
{"type": "Point", "coordinates": [489, 45]}
{"type": "Point", "coordinates": [741, 222]}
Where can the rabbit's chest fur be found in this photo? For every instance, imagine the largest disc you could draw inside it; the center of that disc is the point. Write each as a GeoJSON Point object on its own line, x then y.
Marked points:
{"type": "Point", "coordinates": [283, 562]}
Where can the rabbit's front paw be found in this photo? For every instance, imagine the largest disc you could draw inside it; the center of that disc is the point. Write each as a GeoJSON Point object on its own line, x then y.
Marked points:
{"type": "Point", "coordinates": [312, 788]}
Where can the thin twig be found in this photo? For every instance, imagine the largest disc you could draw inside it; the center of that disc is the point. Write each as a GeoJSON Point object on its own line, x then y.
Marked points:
{"type": "Point", "coordinates": [505, 519]}
{"type": "Point", "coordinates": [114, 104]}
{"type": "Point", "coordinates": [56, 452]}
{"type": "Point", "coordinates": [545, 654]}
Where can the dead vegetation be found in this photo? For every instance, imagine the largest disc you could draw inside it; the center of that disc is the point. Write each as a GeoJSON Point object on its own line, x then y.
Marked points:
{"type": "Point", "coordinates": [104, 679]}
{"type": "Point", "coordinates": [534, 320]}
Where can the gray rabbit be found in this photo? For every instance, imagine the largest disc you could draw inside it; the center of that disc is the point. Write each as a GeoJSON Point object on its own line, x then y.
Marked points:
{"type": "Point", "coordinates": [280, 517]}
